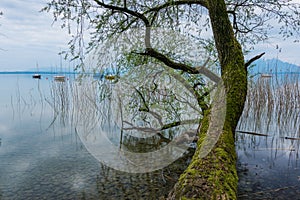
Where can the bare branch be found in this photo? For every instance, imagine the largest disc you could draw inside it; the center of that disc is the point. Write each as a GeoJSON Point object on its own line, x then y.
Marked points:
{"type": "Point", "coordinates": [180, 66]}
{"type": "Point", "coordinates": [177, 3]}
{"type": "Point", "coordinates": [209, 74]}
{"type": "Point", "coordinates": [192, 90]}
{"type": "Point", "coordinates": [164, 127]}
{"type": "Point", "coordinates": [146, 109]}
{"type": "Point", "coordinates": [178, 123]}
{"type": "Point", "coordinates": [139, 128]}
{"type": "Point", "coordinates": [125, 10]}
{"type": "Point", "coordinates": [248, 63]}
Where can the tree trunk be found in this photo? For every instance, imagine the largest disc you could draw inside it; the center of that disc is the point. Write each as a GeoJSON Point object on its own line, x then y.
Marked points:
{"type": "Point", "coordinates": [215, 176]}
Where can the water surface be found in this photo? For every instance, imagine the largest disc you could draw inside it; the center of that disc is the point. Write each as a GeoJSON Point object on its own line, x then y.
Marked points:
{"type": "Point", "coordinates": [269, 162]}
{"type": "Point", "coordinates": [42, 156]}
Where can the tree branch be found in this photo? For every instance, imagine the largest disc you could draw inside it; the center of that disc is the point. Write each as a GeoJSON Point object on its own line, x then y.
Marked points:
{"type": "Point", "coordinates": [192, 90]}
{"type": "Point", "coordinates": [143, 129]}
{"type": "Point", "coordinates": [180, 66]}
{"type": "Point", "coordinates": [164, 127]}
{"type": "Point", "coordinates": [125, 10]}
{"type": "Point", "coordinates": [248, 63]}
{"type": "Point", "coordinates": [177, 3]}
{"type": "Point", "coordinates": [177, 123]}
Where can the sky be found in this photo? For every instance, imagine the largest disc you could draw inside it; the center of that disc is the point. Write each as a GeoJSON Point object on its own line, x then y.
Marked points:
{"type": "Point", "coordinates": [29, 39]}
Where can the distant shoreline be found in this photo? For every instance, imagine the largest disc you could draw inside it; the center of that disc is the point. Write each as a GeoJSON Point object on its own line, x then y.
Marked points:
{"type": "Point", "coordinates": [35, 72]}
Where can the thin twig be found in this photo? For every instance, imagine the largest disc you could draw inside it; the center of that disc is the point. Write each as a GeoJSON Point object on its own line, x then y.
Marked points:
{"type": "Point", "coordinates": [252, 133]}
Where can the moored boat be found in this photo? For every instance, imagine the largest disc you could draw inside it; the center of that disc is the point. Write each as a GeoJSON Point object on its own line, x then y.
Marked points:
{"type": "Point", "coordinates": [36, 76]}
{"type": "Point", "coordinates": [59, 78]}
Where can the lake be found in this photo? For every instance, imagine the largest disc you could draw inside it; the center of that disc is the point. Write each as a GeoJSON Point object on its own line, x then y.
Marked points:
{"type": "Point", "coordinates": [43, 154]}
{"type": "Point", "coordinates": [269, 142]}
{"type": "Point", "coordinates": [43, 157]}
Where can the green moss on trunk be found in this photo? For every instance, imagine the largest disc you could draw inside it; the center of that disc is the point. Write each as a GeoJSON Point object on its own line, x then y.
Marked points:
{"type": "Point", "coordinates": [215, 176]}
{"type": "Point", "coordinates": [212, 177]}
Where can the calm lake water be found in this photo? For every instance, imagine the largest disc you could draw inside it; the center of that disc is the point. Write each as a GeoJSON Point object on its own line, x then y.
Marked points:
{"type": "Point", "coordinates": [269, 159]}
{"type": "Point", "coordinates": [43, 157]}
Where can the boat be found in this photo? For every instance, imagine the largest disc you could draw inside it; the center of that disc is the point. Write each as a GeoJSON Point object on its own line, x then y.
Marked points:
{"type": "Point", "coordinates": [36, 76]}
{"type": "Point", "coordinates": [266, 75]}
{"type": "Point", "coordinates": [110, 77]}
{"type": "Point", "coordinates": [60, 78]}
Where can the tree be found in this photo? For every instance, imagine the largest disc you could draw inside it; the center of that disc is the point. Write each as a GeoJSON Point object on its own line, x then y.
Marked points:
{"type": "Point", "coordinates": [235, 26]}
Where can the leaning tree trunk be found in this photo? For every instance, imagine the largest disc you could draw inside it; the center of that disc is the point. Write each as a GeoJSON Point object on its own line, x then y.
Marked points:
{"type": "Point", "coordinates": [215, 176]}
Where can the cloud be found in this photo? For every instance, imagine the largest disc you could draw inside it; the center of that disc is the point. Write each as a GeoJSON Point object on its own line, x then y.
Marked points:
{"type": "Point", "coordinates": [28, 35]}
{"type": "Point", "coordinates": [286, 50]}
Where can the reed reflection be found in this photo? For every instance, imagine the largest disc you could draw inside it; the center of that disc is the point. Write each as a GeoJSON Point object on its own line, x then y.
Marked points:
{"type": "Point", "coordinates": [268, 138]}
{"type": "Point", "coordinates": [136, 117]}
{"type": "Point", "coordinates": [138, 112]}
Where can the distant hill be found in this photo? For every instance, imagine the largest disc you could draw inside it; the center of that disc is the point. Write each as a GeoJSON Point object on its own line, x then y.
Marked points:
{"type": "Point", "coordinates": [271, 66]}
{"type": "Point", "coordinates": [261, 66]}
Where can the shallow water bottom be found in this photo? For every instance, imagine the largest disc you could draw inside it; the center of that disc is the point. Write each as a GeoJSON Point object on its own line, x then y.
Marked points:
{"type": "Point", "coordinates": [267, 170]}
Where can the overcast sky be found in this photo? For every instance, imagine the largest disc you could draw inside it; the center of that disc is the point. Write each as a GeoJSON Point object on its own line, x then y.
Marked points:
{"type": "Point", "coordinates": [28, 37]}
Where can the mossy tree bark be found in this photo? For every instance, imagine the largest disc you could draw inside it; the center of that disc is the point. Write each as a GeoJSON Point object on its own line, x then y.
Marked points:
{"type": "Point", "coordinates": [215, 176]}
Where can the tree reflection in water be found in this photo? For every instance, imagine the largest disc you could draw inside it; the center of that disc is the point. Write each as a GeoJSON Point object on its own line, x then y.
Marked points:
{"type": "Point", "coordinates": [140, 112]}
{"type": "Point", "coordinates": [135, 116]}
